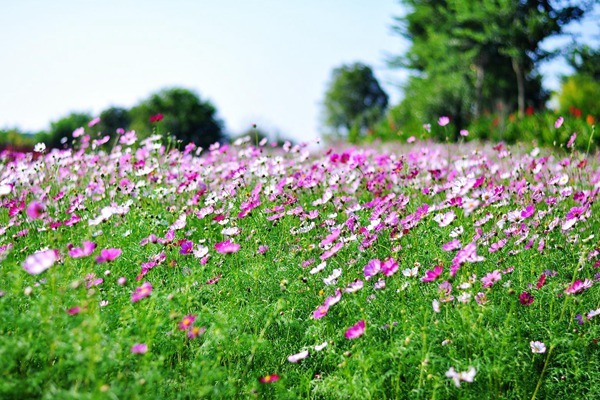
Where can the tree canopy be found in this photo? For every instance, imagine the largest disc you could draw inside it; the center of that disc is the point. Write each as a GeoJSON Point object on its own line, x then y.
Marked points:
{"type": "Point", "coordinates": [483, 55]}
{"type": "Point", "coordinates": [185, 115]}
{"type": "Point", "coordinates": [354, 100]}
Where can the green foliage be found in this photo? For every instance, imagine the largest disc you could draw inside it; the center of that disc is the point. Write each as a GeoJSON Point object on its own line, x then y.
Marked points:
{"type": "Point", "coordinates": [473, 57]}
{"type": "Point", "coordinates": [580, 92]}
{"type": "Point", "coordinates": [354, 101]}
{"type": "Point", "coordinates": [114, 118]}
{"type": "Point", "coordinates": [61, 131]}
{"type": "Point", "coordinates": [186, 116]}
{"type": "Point", "coordinates": [586, 61]}
{"type": "Point", "coordinates": [15, 139]}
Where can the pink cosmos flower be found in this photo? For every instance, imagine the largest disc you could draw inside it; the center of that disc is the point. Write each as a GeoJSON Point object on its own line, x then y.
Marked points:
{"type": "Point", "coordinates": [578, 286]}
{"type": "Point", "coordinates": [139, 348]}
{"type": "Point", "coordinates": [73, 310]}
{"type": "Point", "coordinates": [464, 132]}
{"type": "Point", "coordinates": [297, 357]}
{"type": "Point", "coordinates": [38, 262]}
{"type": "Point", "coordinates": [354, 286]}
{"type": "Point", "coordinates": [321, 311]}
{"type": "Point", "coordinates": [108, 255]}
{"type": "Point", "coordinates": [187, 322]}
{"type": "Point", "coordinates": [332, 251]}
{"type": "Point", "coordinates": [141, 292]}
{"type": "Point", "coordinates": [571, 140]}
{"type": "Point", "coordinates": [497, 246]}
{"type": "Point", "coordinates": [389, 267]}
{"type": "Point", "coordinates": [78, 252]}
{"type": "Point", "coordinates": [355, 331]}
{"type": "Point", "coordinates": [451, 245]}
{"type": "Point", "coordinates": [443, 121]}
{"type": "Point", "coordinates": [214, 280]}
{"type": "Point", "coordinates": [332, 237]}
{"type": "Point", "coordinates": [528, 212]}
{"type": "Point", "coordinates": [227, 247]}
{"type": "Point", "coordinates": [372, 268]}
{"type": "Point", "coordinates": [491, 278]}
{"type": "Point", "coordinates": [35, 210]}
{"type": "Point", "coordinates": [559, 122]}
{"type": "Point", "coordinates": [94, 122]}
{"type": "Point", "coordinates": [196, 331]}
{"type": "Point", "coordinates": [331, 300]}
{"type": "Point", "coordinates": [431, 275]}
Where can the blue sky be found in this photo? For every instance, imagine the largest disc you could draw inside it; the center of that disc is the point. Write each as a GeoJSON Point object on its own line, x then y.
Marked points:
{"type": "Point", "coordinates": [262, 61]}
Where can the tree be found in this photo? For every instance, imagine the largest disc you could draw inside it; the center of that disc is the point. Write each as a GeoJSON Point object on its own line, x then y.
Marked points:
{"type": "Point", "coordinates": [585, 61]}
{"type": "Point", "coordinates": [112, 119]}
{"type": "Point", "coordinates": [354, 101]}
{"type": "Point", "coordinates": [487, 45]}
{"type": "Point", "coordinates": [185, 116]}
{"type": "Point", "coordinates": [64, 127]}
{"type": "Point", "coordinates": [579, 93]}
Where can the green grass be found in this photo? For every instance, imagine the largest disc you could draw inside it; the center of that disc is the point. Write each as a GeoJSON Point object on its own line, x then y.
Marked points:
{"type": "Point", "coordinates": [260, 310]}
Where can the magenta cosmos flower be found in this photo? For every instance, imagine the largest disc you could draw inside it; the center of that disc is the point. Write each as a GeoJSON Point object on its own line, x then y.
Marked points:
{"type": "Point", "coordinates": [443, 120]}
{"type": "Point", "coordinates": [108, 255]}
{"type": "Point", "coordinates": [227, 247]}
{"type": "Point", "coordinates": [526, 298]}
{"type": "Point", "coordinates": [187, 322]}
{"type": "Point", "coordinates": [431, 275]}
{"type": "Point", "coordinates": [269, 378]}
{"type": "Point", "coordinates": [356, 331]}
{"type": "Point", "coordinates": [141, 292]}
{"type": "Point", "coordinates": [86, 250]}
{"type": "Point", "coordinates": [35, 210]}
{"type": "Point", "coordinates": [139, 348]}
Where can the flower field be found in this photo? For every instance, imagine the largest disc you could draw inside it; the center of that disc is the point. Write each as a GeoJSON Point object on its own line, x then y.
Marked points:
{"type": "Point", "coordinates": [249, 271]}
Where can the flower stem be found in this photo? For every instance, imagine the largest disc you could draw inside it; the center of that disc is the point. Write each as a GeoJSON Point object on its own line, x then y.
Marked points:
{"type": "Point", "coordinates": [539, 383]}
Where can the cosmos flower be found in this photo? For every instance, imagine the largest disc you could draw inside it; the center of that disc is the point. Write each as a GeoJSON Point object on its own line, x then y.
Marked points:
{"type": "Point", "coordinates": [297, 357]}
{"type": "Point", "coordinates": [227, 247]}
{"type": "Point", "coordinates": [38, 262]}
{"type": "Point", "coordinates": [141, 292]}
{"type": "Point", "coordinates": [139, 348]}
{"type": "Point", "coordinates": [559, 122]}
{"type": "Point", "coordinates": [156, 118]}
{"type": "Point", "coordinates": [355, 331]}
{"type": "Point", "coordinates": [537, 347]}
{"type": "Point", "coordinates": [431, 275]}
{"type": "Point", "coordinates": [107, 255]}
{"type": "Point", "coordinates": [525, 298]}
{"type": "Point", "coordinates": [457, 377]}
{"type": "Point", "coordinates": [86, 250]}
{"type": "Point", "coordinates": [443, 121]}
{"type": "Point", "coordinates": [269, 378]}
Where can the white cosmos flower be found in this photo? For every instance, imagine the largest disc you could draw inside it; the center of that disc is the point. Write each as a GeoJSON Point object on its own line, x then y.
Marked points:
{"type": "Point", "coordinates": [537, 347]}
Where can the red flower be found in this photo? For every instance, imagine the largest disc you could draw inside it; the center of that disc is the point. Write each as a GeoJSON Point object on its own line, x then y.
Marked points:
{"type": "Point", "coordinates": [269, 378]}
{"type": "Point", "coordinates": [526, 298]}
{"type": "Point", "coordinates": [156, 118]}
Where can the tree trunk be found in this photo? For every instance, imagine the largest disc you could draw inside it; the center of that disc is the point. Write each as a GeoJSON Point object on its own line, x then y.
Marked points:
{"type": "Point", "coordinates": [520, 85]}
{"type": "Point", "coordinates": [479, 75]}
